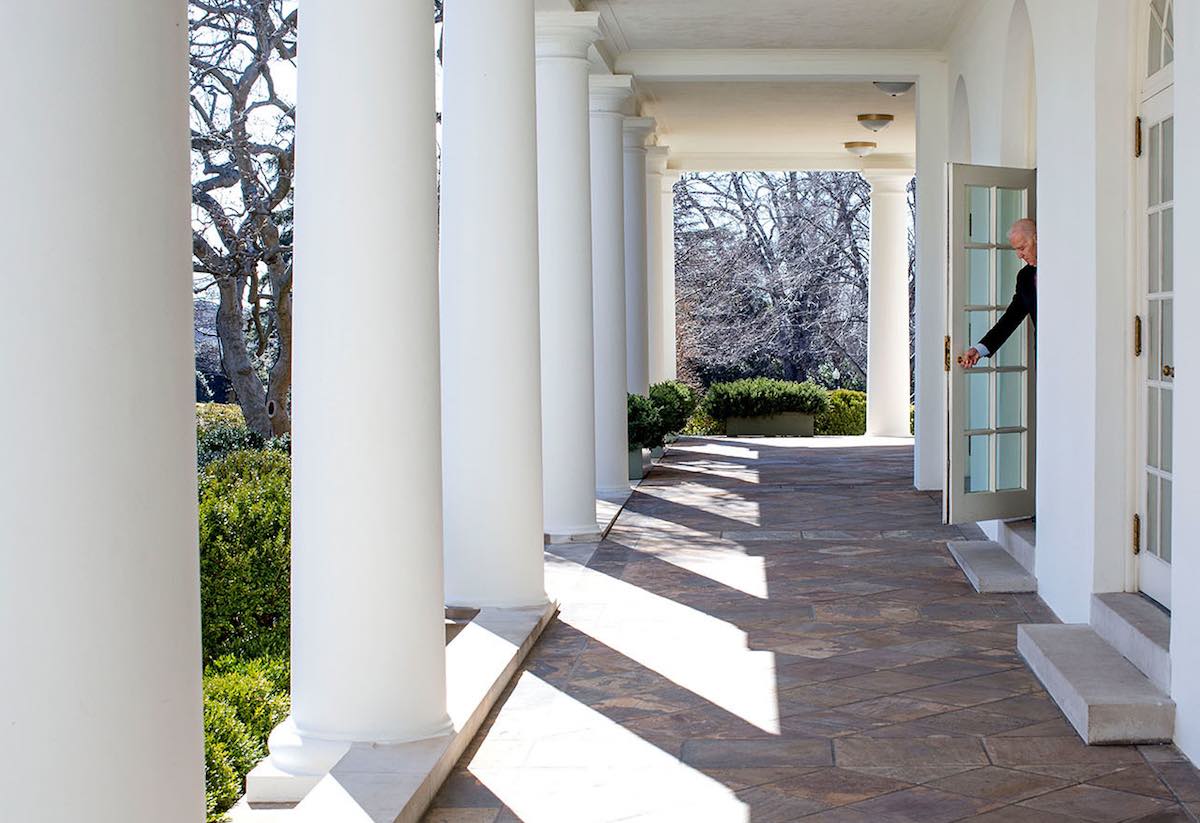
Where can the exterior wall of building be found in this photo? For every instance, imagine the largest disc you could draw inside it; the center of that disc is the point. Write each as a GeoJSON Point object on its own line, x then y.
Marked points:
{"type": "Point", "coordinates": [1185, 616]}
{"type": "Point", "coordinates": [1086, 81]}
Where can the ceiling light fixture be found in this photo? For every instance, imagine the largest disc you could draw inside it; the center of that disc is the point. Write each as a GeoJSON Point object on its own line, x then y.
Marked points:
{"type": "Point", "coordinates": [861, 148]}
{"type": "Point", "coordinates": [892, 89]}
{"type": "Point", "coordinates": [875, 122]}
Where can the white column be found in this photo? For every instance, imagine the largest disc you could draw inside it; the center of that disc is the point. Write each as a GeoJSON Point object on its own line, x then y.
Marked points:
{"type": "Point", "coordinates": [637, 354]}
{"type": "Point", "coordinates": [565, 252]}
{"type": "Point", "coordinates": [368, 636]}
{"type": "Point", "coordinates": [491, 372]}
{"type": "Point", "coordinates": [608, 95]}
{"type": "Point", "coordinates": [933, 118]}
{"type": "Point", "coordinates": [100, 708]}
{"type": "Point", "coordinates": [670, 363]}
{"type": "Point", "coordinates": [887, 308]}
{"type": "Point", "coordinates": [656, 169]}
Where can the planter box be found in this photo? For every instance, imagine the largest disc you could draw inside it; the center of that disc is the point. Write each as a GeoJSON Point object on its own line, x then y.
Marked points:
{"type": "Point", "coordinates": [786, 424]}
{"type": "Point", "coordinates": [657, 453]}
{"type": "Point", "coordinates": [639, 463]}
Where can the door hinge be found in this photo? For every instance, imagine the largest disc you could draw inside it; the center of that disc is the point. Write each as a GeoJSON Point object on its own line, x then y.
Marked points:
{"type": "Point", "coordinates": [946, 353]}
{"type": "Point", "coordinates": [1137, 137]}
{"type": "Point", "coordinates": [1137, 534]}
{"type": "Point", "coordinates": [1137, 335]}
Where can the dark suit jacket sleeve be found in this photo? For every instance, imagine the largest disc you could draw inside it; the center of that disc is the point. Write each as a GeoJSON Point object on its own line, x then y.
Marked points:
{"type": "Point", "coordinates": [1008, 323]}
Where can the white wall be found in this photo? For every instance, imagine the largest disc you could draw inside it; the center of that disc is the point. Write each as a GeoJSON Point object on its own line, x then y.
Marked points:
{"type": "Point", "coordinates": [1185, 617]}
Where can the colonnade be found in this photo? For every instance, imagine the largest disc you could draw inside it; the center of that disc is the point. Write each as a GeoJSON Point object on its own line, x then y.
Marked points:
{"type": "Point", "coordinates": [447, 419]}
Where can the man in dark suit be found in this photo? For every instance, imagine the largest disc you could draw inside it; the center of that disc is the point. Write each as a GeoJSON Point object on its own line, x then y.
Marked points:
{"type": "Point", "coordinates": [1023, 238]}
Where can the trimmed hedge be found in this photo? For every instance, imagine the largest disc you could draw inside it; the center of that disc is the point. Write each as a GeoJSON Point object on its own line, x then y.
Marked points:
{"type": "Point", "coordinates": [243, 701]}
{"type": "Point", "coordinates": [245, 554]}
{"type": "Point", "coordinates": [675, 402]}
{"type": "Point", "coordinates": [645, 423]}
{"type": "Point", "coordinates": [846, 415]}
{"type": "Point", "coordinates": [763, 396]}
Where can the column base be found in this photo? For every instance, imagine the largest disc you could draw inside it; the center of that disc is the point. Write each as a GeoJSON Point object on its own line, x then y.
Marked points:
{"type": "Point", "coordinates": [298, 762]}
{"type": "Point", "coordinates": [576, 534]}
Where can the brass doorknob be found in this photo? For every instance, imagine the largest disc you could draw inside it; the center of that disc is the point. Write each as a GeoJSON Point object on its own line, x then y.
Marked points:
{"type": "Point", "coordinates": [1168, 371]}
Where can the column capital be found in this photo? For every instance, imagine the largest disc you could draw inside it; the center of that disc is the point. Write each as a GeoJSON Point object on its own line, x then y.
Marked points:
{"type": "Point", "coordinates": [890, 181]}
{"type": "Point", "coordinates": [607, 93]}
{"type": "Point", "coordinates": [566, 34]}
{"type": "Point", "coordinates": [656, 159]}
{"type": "Point", "coordinates": [637, 130]}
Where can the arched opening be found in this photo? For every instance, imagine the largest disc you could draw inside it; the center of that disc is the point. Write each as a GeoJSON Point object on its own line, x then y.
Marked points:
{"type": "Point", "coordinates": [1018, 144]}
{"type": "Point", "coordinates": [960, 125]}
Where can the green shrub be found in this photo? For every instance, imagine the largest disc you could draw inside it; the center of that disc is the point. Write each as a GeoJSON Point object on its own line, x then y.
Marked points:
{"type": "Point", "coordinates": [210, 414]}
{"type": "Point", "coordinates": [701, 425]}
{"type": "Point", "coordinates": [243, 701]}
{"type": "Point", "coordinates": [675, 402]}
{"type": "Point", "coordinates": [846, 415]}
{"type": "Point", "coordinates": [762, 396]}
{"type": "Point", "coordinates": [645, 423]}
{"type": "Point", "coordinates": [221, 439]}
{"type": "Point", "coordinates": [245, 554]}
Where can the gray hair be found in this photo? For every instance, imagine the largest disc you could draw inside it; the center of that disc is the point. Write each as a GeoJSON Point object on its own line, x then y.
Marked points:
{"type": "Point", "coordinates": [1024, 228]}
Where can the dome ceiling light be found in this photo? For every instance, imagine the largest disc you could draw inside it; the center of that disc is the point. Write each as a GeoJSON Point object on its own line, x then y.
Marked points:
{"type": "Point", "coordinates": [875, 122]}
{"type": "Point", "coordinates": [861, 148]}
{"type": "Point", "coordinates": [894, 89]}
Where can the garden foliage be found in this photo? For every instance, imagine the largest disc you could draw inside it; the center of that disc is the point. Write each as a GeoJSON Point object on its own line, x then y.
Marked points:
{"type": "Point", "coordinates": [675, 402]}
{"type": "Point", "coordinates": [763, 396]}
{"type": "Point", "coordinates": [645, 423]}
{"type": "Point", "coordinates": [846, 415]}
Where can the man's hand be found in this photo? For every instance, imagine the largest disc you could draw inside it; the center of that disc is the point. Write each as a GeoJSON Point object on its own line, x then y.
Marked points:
{"type": "Point", "coordinates": [969, 358]}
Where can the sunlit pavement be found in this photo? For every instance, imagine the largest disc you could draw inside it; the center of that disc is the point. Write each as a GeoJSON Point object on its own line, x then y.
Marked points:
{"type": "Point", "coordinates": [774, 631]}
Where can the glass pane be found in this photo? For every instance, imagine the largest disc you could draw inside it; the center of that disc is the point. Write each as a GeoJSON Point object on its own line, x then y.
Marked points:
{"type": "Point", "coordinates": [1168, 334]}
{"type": "Point", "coordinates": [1164, 525]}
{"type": "Point", "coordinates": [978, 323]}
{"type": "Point", "coordinates": [1152, 513]}
{"type": "Point", "coordinates": [1154, 170]}
{"type": "Point", "coordinates": [978, 461]}
{"type": "Point", "coordinates": [1012, 353]}
{"type": "Point", "coordinates": [1154, 363]}
{"type": "Point", "coordinates": [1168, 250]}
{"type": "Point", "coordinates": [1167, 400]}
{"type": "Point", "coordinates": [979, 277]}
{"type": "Point", "coordinates": [1155, 55]}
{"type": "Point", "coordinates": [981, 214]}
{"type": "Point", "coordinates": [1153, 239]}
{"type": "Point", "coordinates": [1152, 426]}
{"type": "Point", "coordinates": [1006, 285]}
{"type": "Point", "coordinates": [1168, 160]}
{"type": "Point", "coordinates": [1010, 454]}
{"type": "Point", "coordinates": [1010, 399]}
{"type": "Point", "coordinates": [1169, 38]}
{"type": "Point", "coordinates": [1010, 207]}
{"type": "Point", "coordinates": [978, 400]}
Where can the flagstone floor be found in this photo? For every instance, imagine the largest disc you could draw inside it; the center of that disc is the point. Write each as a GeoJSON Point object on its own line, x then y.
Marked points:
{"type": "Point", "coordinates": [774, 631]}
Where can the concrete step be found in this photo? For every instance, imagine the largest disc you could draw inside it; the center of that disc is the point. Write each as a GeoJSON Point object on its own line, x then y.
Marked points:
{"type": "Point", "coordinates": [1139, 630]}
{"type": "Point", "coordinates": [1102, 694]}
{"type": "Point", "coordinates": [1019, 538]}
{"type": "Point", "coordinates": [990, 568]}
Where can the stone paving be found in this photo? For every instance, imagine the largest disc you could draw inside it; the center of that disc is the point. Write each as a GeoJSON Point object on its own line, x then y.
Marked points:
{"type": "Point", "coordinates": [774, 631]}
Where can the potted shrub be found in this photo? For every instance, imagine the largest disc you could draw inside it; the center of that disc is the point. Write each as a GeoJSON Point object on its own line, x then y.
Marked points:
{"type": "Point", "coordinates": [764, 406]}
{"type": "Point", "coordinates": [645, 432]}
{"type": "Point", "coordinates": [675, 401]}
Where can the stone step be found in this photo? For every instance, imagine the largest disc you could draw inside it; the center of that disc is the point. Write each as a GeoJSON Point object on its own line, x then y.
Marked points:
{"type": "Point", "coordinates": [990, 568]}
{"type": "Point", "coordinates": [1018, 538]}
{"type": "Point", "coordinates": [1102, 694]}
{"type": "Point", "coordinates": [1139, 630]}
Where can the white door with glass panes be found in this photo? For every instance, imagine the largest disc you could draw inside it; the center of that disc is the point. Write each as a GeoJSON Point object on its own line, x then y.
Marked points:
{"type": "Point", "coordinates": [1156, 317]}
{"type": "Point", "coordinates": [990, 453]}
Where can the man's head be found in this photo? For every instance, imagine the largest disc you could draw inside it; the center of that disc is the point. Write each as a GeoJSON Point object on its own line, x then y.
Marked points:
{"type": "Point", "coordinates": [1023, 238]}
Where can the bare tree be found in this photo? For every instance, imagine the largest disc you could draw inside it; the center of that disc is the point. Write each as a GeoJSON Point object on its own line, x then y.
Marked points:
{"type": "Point", "coordinates": [243, 151]}
{"type": "Point", "coordinates": [772, 275]}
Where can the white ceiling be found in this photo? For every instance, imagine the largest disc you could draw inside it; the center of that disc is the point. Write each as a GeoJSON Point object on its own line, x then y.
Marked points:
{"type": "Point", "coordinates": [782, 117]}
{"type": "Point", "coordinates": [777, 24]}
